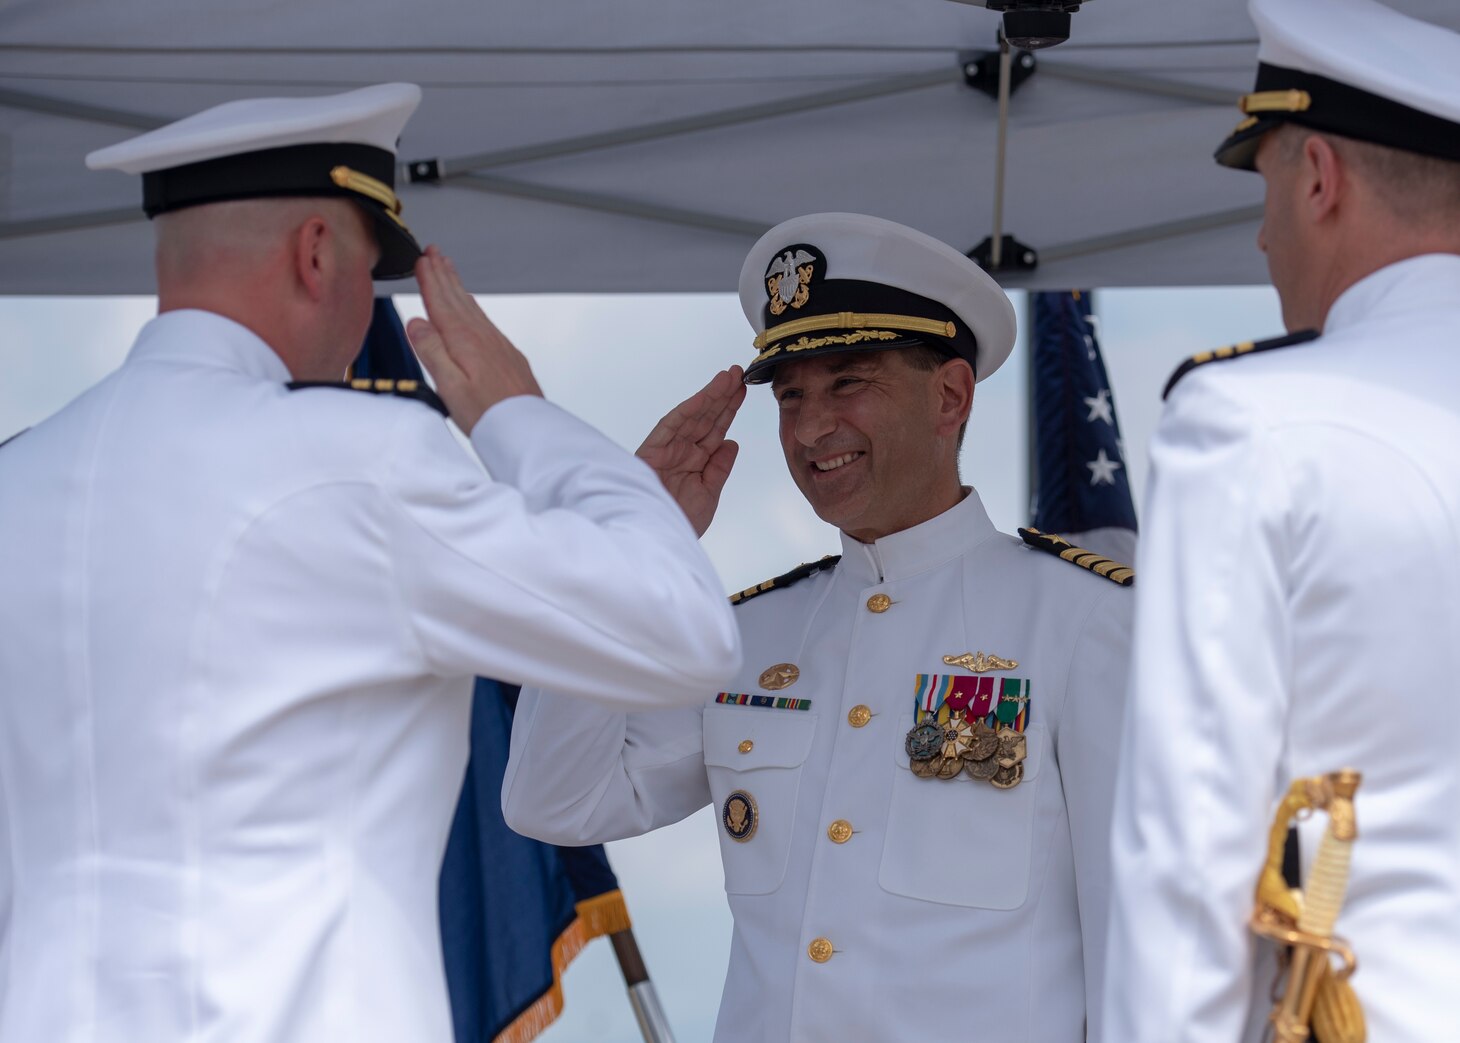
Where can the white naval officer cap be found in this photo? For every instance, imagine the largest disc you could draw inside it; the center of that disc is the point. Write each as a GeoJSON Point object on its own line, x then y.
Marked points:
{"type": "Point", "coordinates": [1354, 68]}
{"type": "Point", "coordinates": [339, 145]}
{"type": "Point", "coordinates": [827, 283]}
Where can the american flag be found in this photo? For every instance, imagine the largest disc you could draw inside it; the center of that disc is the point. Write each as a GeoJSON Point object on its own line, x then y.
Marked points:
{"type": "Point", "coordinates": [1082, 488]}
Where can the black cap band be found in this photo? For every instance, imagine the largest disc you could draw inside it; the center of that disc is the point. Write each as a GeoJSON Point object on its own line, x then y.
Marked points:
{"type": "Point", "coordinates": [293, 170]}
{"type": "Point", "coordinates": [1322, 104]}
{"type": "Point", "coordinates": [863, 303]}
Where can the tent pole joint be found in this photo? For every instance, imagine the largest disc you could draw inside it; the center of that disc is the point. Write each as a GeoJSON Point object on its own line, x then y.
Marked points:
{"type": "Point", "coordinates": [421, 171]}
{"type": "Point", "coordinates": [981, 70]}
{"type": "Point", "coordinates": [1013, 256]}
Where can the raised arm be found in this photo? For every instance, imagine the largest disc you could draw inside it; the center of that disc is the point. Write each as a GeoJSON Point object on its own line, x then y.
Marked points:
{"type": "Point", "coordinates": [688, 449]}
{"type": "Point", "coordinates": [571, 568]}
{"type": "Point", "coordinates": [582, 774]}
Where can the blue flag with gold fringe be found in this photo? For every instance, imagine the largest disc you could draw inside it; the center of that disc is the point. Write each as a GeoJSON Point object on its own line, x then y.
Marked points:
{"type": "Point", "coordinates": [1082, 485]}
{"type": "Point", "coordinates": [514, 912]}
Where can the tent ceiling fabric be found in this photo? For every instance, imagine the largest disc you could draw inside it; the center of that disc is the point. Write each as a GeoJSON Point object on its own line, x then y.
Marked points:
{"type": "Point", "coordinates": [642, 146]}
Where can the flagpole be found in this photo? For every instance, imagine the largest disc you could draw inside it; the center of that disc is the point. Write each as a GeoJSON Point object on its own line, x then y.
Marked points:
{"type": "Point", "coordinates": [642, 997]}
{"type": "Point", "coordinates": [1031, 451]}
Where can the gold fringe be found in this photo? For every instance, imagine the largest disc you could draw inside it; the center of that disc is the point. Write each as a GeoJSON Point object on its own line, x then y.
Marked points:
{"type": "Point", "coordinates": [597, 916]}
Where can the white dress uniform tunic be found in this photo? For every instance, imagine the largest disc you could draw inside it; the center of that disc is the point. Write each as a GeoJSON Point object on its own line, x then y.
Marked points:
{"type": "Point", "coordinates": [1298, 612]}
{"type": "Point", "coordinates": [237, 632]}
{"type": "Point", "coordinates": [870, 903]}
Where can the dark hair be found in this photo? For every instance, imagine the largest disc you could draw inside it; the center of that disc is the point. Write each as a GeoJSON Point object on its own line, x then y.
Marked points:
{"type": "Point", "coordinates": [926, 358]}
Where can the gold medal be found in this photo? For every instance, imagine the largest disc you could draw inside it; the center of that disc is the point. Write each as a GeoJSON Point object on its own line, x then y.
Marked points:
{"type": "Point", "coordinates": [950, 768]}
{"type": "Point", "coordinates": [957, 737]}
{"type": "Point", "coordinates": [983, 770]}
{"type": "Point", "coordinates": [1013, 748]}
{"type": "Point", "coordinates": [984, 744]}
{"type": "Point", "coordinates": [926, 769]}
{"type": "Point", "coordinates": [1008, 778]}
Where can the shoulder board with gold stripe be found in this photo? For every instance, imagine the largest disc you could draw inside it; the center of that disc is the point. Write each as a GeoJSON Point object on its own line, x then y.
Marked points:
{"type": "Point", "coordinates": [1236, 351]}
{"type": "Point", "coordinates": [416, 389]}
{"type": "Point", "coordinates": [796, 575]}
{"type": "Point", "coordinates": [1086, 559]}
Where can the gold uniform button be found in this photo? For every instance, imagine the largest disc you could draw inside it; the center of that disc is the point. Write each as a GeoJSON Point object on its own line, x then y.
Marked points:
{"type": "Point", "coordinates": [839, 831]}
{"type": "Point", "coordinates": [745, 746]}
{"type": "Point", "coordinates": [819, 950]}
{"type": "Point", "coordinates": [858, 716]}
{"type": "Point", "coordinates": [879, 603]}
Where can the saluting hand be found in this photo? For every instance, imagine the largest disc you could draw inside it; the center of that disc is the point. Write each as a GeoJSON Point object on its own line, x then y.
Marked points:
{"type": "Point", "coordinates": [689, 451]}
{"type": "Point", "coordinates": [474, 364]}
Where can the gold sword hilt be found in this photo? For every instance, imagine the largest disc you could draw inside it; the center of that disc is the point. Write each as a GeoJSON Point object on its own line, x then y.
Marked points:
{"type": "Point", "coordinates": [1312, 982]}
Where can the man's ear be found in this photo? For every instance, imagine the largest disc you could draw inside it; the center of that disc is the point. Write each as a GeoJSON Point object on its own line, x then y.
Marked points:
{"type": "Point", "coordinates": [1325, 179]}
{"type": "Point", "coordinates": [313, 256]}
{"type": "Point", "coordinates": [953, 385]}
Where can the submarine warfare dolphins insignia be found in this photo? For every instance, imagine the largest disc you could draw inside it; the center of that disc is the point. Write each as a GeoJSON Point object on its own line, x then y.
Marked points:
{"type": "Point", "coordinates": [980, 663]}
{"type": "Point", "coordinates": [788, 280]}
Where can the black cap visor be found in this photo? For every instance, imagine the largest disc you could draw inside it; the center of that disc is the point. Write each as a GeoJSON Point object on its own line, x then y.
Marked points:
{"type": "Point", "coordinates": [763, 371]}
{"type": "Point", "coordinates": [399, 250]}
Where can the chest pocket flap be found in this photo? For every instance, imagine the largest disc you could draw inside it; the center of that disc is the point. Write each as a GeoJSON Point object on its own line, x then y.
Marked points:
{"type": "Point", "coordinates": [743, 739]}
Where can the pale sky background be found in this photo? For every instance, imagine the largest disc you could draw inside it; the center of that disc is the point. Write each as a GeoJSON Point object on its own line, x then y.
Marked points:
{"type": "Point", "coordinates": [598, 357]}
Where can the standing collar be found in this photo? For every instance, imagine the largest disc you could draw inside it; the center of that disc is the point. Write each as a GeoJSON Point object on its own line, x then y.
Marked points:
{"type": "Point", "coordinates": [1415, 283]}
{"type": "Point", "coordinates": [203, 338]}
{"type": "Point", "coordinates": [938, 540]}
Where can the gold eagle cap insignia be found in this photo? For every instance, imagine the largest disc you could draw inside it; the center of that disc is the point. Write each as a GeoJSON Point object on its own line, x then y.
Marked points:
{"type": "Point", "coordinates": [980, 663]}
{"type": "Point", "coordinates": [788, 280]}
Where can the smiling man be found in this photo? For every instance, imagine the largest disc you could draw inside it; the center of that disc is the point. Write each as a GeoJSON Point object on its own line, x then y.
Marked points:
{"type": "Point", "coordinates": [913, 773]}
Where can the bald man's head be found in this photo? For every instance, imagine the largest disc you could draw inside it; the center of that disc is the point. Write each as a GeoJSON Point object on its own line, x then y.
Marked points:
{"type": "Point", "coordinates": [236, 236]}
{"type": "Point", "coordinates": [296, 271]}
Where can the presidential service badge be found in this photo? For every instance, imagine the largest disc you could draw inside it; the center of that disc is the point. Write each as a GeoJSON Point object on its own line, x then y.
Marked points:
{"type": "Point", "coordinates": [740, 816]}
{"type": "Point", "coordinates": [788, 279]}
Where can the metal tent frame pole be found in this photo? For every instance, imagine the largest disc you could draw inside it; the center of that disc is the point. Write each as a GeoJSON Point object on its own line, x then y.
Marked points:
{"type": "Point", "coordinates": [465, 171]}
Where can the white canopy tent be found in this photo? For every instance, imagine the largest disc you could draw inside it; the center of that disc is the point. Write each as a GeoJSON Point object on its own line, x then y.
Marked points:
{"type": "Point", "coordinates": [641, 146]}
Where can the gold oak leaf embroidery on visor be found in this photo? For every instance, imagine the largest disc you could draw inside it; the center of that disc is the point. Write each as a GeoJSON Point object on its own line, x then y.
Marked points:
{"type": "Point", "coordinates": [807, 343]}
